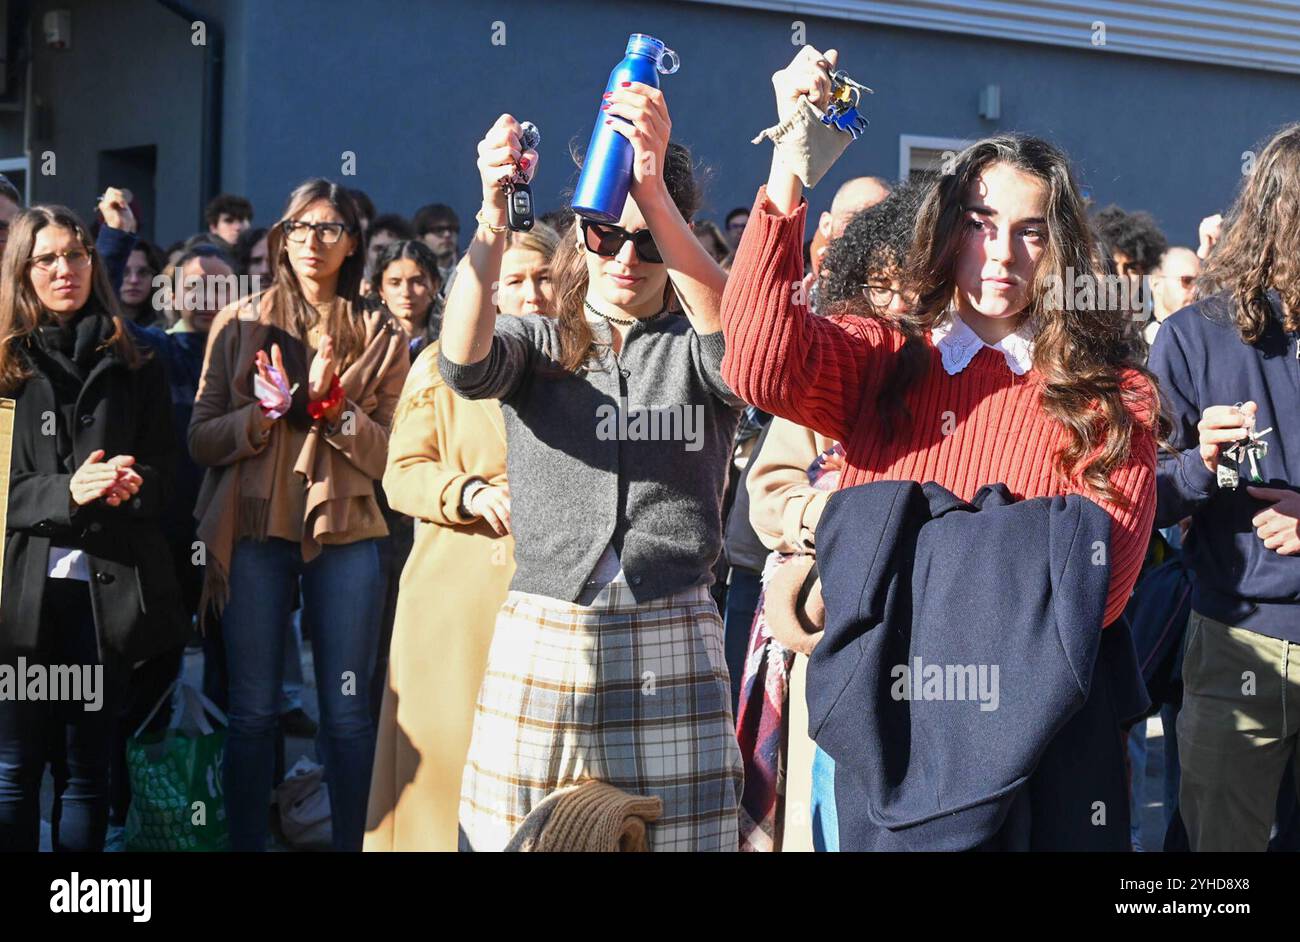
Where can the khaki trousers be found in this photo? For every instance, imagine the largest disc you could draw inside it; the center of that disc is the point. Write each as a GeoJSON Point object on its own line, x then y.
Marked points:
{"type": "Point", "coordinates": [1237, 730]}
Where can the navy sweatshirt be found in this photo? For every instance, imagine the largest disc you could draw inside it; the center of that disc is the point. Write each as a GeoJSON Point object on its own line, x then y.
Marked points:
{"type": "Point", "coordinates": [1201, 361]}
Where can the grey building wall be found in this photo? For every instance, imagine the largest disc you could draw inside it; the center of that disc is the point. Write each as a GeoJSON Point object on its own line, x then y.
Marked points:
{"type": "Point", "coordinates": [409, 86]}
{"type": "Point", "coordinates": [131, 78]}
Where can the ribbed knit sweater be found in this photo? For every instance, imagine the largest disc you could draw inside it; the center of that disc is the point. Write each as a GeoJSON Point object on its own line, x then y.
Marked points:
{"type": "Point", "coordinates": [983, 425]}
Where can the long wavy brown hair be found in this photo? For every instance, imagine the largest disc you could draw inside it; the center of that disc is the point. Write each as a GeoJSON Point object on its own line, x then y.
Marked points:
{"type": "Point", "coordinates": [569, 266]}
{"type": "Point", "coordinates": [1082, 349]}
{"type": "Point", "coordinates": [288, 307]}
{"type": "Point", "coordinates": [1260, 246]}
{"type": "Point", "coordinates": [21, 312]}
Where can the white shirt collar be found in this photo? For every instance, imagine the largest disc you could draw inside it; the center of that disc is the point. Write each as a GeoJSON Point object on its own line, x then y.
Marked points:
{"type": "Point", "coordinates": [958, 343]}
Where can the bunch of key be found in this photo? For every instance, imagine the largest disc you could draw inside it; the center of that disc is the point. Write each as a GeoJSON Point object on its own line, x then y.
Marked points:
{"type": "Point", "coordinates": [1241, 455]}
{"type": "Point", "coordinates": [842, 112]}
{"type": "Point", "coordinates": [519, 196]}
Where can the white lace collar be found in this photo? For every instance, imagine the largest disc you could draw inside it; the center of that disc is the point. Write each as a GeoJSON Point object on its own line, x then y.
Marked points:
{"type": "Point", "coordinates": [958, 344]}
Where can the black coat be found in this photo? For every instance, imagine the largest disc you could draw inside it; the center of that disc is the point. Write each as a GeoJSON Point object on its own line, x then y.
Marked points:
{"type": "Point", "coordinates": [133, 589]}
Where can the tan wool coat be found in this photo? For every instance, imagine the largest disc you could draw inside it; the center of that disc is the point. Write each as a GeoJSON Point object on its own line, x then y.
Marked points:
{"type": "Point", "coordinates": [337, 468]}
{"type": "Point", "coordinates": [454, 583]}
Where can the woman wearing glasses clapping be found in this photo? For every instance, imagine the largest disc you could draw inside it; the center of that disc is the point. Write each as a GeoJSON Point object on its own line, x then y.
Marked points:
{"type": "Point", "coordinates": [88, 582]}
{"type": "Point", "coordinates": [291, 418]}
{"type": "Point", "coordinates": [607, 658]}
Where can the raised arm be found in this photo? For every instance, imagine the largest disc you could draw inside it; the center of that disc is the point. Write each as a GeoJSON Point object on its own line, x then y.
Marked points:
{"type": "Point", "coordinates": [696, 277]}
{"type": "Point", "coordinates": [813, 371]}
{"type": "Point", "coordinates": [474, 362]}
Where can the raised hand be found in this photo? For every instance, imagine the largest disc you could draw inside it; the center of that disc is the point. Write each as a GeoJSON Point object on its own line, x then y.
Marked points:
{"type": "Point", "coordinates": [271, 385]}
{"type": "Point", "coordinates": [498, 153]}
{"type": "Point", "coordinates": [809, 73]}
{"type": "Point", "coordinates": [115, 207]}
{"type": "Point", "coordinates": [650, 128]}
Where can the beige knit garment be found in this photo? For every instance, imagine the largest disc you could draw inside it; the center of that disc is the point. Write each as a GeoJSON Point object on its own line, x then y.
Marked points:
{"type": "Point", "coordinates": [596, 816]}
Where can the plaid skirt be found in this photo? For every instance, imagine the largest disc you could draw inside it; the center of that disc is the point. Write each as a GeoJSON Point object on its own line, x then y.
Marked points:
{"type": "Point", "coordinates": [636, 695]}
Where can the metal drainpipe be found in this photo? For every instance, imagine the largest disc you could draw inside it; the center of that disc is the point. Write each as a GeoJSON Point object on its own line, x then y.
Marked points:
{"type": "Point", "coordinates": [214, 57]}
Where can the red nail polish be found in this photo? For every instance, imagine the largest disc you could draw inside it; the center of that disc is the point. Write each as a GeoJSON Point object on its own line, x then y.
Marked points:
{"type": "Point", "coordinates": [524, 162]}
{"type": "Point", "coordinates": [604, 107]}
{"type": "Point", "coordinates": [606, 95]}
{"type": "Point", "coordinates": [625, 84]}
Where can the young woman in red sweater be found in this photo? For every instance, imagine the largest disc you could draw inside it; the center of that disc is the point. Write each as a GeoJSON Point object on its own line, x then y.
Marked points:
{"type": "Point", "coordinates": [990, 377]}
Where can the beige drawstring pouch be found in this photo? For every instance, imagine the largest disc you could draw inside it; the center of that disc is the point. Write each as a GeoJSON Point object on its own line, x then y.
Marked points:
{"type": "Point", "coordinates": [806, 145]}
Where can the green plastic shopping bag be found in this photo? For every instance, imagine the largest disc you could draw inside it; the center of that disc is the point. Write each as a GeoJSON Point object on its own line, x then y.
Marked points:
{"type": "Point", "coordinates": [176, 795]}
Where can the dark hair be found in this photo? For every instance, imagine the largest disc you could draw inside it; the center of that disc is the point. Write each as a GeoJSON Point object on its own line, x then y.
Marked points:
{"type": "Point", "coordinates": [244, 245]}
{"type": "Point", "coordinates": [416, 251]}
{"type": "Point", "coordinates": [1134, 234]}
{"type": "Point", "coordinates": [433, 215]}
{"type": "Point", "coordinates": [1259, 249]}
{"type": "Point", "coordinates": [1095, 383]}
{"type": "Point", "coordinates": [205, 250]}
{"type": "Point", "coordinates": [875, 240]}
{"type": "Point", "coordinates": [289, 309]}
{"type": "Point", "coordinates": [365, 206]}
{"type": "Point", "coordinates": [8, 189]}
{"type": "Point", "coordinates": [569, 267]}
{"type": "Point", "coordinates": [152, 254]}
{"type": "Point", "coordinates": [21, 313]}
{"type": "Point", "coordinates": [398, 225]}
{"type": "Point", "coordinates": [227, 204]}
{"type": "Point", "coordinates": [738, 211]}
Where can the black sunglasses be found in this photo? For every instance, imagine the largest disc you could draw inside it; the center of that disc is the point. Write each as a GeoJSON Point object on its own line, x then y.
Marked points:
{"type": "Point", "coordinates": [607, 241]}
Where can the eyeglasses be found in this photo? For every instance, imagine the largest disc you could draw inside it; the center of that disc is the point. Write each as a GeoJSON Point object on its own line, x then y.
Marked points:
{"type": "Point", "coordinates": [880, 294]}
{"type": "Point", "coordinates": [607, 241]}
{"type": "Point", "coordinates": [78, 260]}
{"type": "Point", "coordinates": [328, 232]}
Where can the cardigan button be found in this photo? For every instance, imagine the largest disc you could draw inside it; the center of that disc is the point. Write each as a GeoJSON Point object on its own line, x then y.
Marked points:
{"type": "Point", "coordinates": [87, 421]}
{"type": "Point", "coordinates": [96, 527]}
{"type": "Point", "coordinates": [104, 578]}
{"type": "Point", "coordinates": [636, 580]}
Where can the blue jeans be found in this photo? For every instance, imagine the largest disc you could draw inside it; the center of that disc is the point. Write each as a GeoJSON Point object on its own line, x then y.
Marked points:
{"type": "Point", "coordinates": [76, 743]}
{"type": "Point", "coordinates": [340, 607]}
{"type": "Point", "coordinates": [825, 823]}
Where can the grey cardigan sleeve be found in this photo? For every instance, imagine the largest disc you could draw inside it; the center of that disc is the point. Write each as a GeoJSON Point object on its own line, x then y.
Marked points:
{"type": "Point", "coordinates": [708, 351]}
{"type": "Point", "coordinates": [498, 374]}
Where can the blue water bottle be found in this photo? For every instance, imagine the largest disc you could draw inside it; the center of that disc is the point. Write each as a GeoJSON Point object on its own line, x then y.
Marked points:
{"type": "Point", "coordinates": [607, 170]}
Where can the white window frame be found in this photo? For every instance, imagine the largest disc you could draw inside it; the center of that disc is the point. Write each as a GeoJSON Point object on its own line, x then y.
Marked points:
{"type": "Point", "coordinates": [25, 165]}
{"type": "Point", "coordinates": [908, 142]}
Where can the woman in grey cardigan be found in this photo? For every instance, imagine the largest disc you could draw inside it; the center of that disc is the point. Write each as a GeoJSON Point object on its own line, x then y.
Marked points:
{"type": "Point", "coordinates": [607, 659]}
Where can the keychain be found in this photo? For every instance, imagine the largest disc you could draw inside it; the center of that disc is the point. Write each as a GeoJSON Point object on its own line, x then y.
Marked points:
{"type": "Point", "coordinates": [519, 196]}
{"type": "Point", "coordinates": [1247, 452]}
{"type": "Point", "coordinates": [842, 112]}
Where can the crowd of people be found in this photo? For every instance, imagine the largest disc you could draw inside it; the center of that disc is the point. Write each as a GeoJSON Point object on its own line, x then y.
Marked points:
{"type": "Point", "coordinates": [548, 506]}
